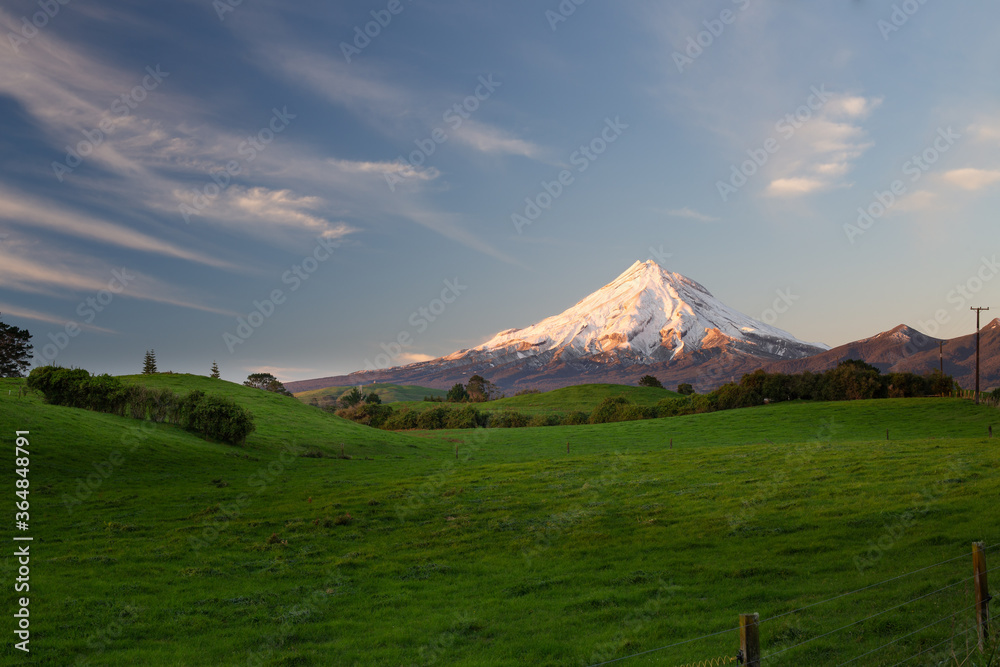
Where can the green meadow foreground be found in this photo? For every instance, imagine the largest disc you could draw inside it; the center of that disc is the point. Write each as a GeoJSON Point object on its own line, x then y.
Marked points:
{"type": "Point", "coordinates": [496, 546]}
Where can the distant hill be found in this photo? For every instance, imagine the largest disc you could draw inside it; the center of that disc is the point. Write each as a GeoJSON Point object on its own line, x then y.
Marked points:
{"type": "Point", "coordinates": [577, 398]}
{"type": "Point", "coordinates": [389, 393]}
{"type": "Point", "coordinates": [904, 349]}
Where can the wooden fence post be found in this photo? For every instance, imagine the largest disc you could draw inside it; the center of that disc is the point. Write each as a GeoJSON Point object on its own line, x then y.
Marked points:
{"type": "Point", "coordinates": [750, 639]}
{"type": "Point", "coordinates": [982, 592]}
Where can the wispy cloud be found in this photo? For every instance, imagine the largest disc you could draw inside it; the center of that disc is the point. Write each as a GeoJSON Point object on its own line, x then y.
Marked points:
{"type": "Point", "coordinates": [414, 357]}
{"type": "Point", "coordinates": [30, 314]}
{"type": "Point", "coordinates": [971, 179]}
{"type": "Point", "coordinates": [488, 139]}
{"type": "Point", "coordinates": [691, 214]}
{"type": "Point", "coordinates": [819, 154]}
{"type": "Point", "coordinates": [60, 274]}
{"type": "Point", "coordinates": [33, 213]}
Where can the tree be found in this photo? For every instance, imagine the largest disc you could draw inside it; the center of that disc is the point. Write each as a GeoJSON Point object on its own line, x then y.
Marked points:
{"type": "Point", "coordinates": [685, 389]}
{"type": "Point", "coordinates": [650, 381]}
{"type": "Point", "coordinates": [15, 348]}
{"type": "Point", "coordinates": [351, 398]}
{"type": "Point", "coordinates": [215, 371]}
{"type": "Point", "coordinates": [267, 382]}
{"type": "Point", "coordinates": [480, 389]}
{"type": "Point", "coordinates": [149, 363]}
{"type": "Point", "coordinates": [371, 398]}
{"type": "Point", "coordinates": [458, 394]}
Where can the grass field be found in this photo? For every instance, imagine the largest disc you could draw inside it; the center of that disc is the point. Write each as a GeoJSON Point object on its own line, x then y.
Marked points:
{"type": "Point", "coordinates": [153, 546]}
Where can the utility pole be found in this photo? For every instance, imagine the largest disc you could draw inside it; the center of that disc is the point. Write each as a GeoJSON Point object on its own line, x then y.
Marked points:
{"type": "Point", "coordinates": [941, 355]}
{"type": "Point", "coordinates": [978, 310]}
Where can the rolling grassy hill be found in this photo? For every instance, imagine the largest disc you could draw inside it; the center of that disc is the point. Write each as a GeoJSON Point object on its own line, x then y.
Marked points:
{"type": "Point", "coordinates": [153, 546]}
{"type": "Point", "coordinates": [389, 393]}
{"type": "Point", "coordinates": [581, 397]}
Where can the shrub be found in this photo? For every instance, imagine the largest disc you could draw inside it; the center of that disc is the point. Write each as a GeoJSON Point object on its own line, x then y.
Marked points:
{"type": "Point", "coordinates": [544, 420]}
{"type": "Point", "coordinates": [369, 414]}
{"type": "Point", "coordinates": [403, 420]}
{"type": "Point", "coordinates": [466, 417]}
{"type": "Point", "coordinates": [611, 409]}
{"type": "Point", "coordinates": [575, 418]}
{"type": "Point", "coordinates": [222, 419]}
{"type": "Point", "coordinates": [432, 418]}
{"type": "Point", "coordinates": [507, 419]}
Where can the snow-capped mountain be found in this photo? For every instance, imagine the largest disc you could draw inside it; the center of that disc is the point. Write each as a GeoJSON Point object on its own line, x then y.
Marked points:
{"type": "Point", "coordinates": [646, 315]}
{"type": "Point", "coordinates": [647, 320]}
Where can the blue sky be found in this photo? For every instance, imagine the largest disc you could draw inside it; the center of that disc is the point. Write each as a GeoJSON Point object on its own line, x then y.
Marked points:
{"type": "Point", "coordinates": [465, 168]}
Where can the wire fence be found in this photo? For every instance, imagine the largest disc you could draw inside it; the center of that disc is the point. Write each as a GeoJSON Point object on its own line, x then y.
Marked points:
{"type": "Point", "coordinates": [771, 657]}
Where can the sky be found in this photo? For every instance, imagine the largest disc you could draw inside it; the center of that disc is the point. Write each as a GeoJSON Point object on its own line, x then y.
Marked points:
{"type": "Point", "coordinates": [298, 187]}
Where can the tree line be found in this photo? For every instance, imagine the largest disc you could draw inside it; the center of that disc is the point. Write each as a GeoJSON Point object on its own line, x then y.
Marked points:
{"type": "Point", "coordinates": [849, 380]}
{"type": "Point", "coordinates": [211, 416]}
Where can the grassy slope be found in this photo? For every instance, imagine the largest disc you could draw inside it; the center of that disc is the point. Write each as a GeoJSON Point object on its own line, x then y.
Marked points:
{"type": "Point", "coordinates": [389, 393]}
{"type": "Point", "coordinates": [515, 553]}
{"type": "Point", "coordinates": [582, 397]}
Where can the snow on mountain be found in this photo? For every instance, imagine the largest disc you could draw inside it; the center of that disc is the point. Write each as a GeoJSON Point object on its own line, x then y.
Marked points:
{"type": "Point", "coordinates": [646, 315]}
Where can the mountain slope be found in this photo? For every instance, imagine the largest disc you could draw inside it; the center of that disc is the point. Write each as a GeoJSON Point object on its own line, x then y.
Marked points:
{"type": "Point", "coordinates": [647, 320]}
{"type": "Point", "coordinates": [904, 349]}
{"type": "Point", "coordinates": [646, 315]}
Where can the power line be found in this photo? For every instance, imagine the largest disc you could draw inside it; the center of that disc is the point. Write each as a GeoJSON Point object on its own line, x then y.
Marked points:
{"type": "Point", "coordinates": [978, 310]}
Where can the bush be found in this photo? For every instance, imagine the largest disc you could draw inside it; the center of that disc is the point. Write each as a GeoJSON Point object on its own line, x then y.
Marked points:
{"type": "Point", "coordinates": [611, 409]}
{"type": "Point", "coordinates": [404, 420]}
{"type": "Point", "coordinates": [432, 418]}
{"type": "Point", "coordinates": [507, 419]}
{"type": "Point", "coordinates": [544, 420]}
{"type": "Point", "coordinates": [466, 417]}
{"type": "Point", "coordinates": [575, 418]}
{"type": "Point", "coordinates": [222, 419]}
{"type": "Point", "coordinates": [369, 414]}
